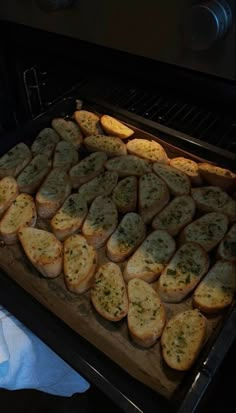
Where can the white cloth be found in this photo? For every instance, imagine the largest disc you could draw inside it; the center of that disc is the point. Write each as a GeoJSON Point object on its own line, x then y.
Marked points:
{"type": "Point", "coordinates": [27, 363]}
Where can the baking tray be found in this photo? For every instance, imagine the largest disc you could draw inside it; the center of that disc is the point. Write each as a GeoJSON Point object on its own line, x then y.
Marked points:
{"type": "Point", "coordinates": [193, 385]}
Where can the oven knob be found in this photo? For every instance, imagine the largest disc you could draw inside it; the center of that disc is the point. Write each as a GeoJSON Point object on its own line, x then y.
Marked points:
{"type": "Point", "coordinates": [52, 5]}
{"type": "Point", "coordinates": [205, 23]}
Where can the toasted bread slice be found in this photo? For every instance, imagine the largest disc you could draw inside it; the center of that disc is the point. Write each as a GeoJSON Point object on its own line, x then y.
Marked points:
{"type": "Point", "coordinates": [114, 127]}
{"type": "Point", "coordinates": [34, 173]}
{"type": "Point", "coordinates": [215, 175]}
{"type": "Point", "coordinates": [217, 289]}
{"type": "Point", "coordinates": [70, 217]}
{"type": "Point", "coordinates": [212, 198]}
{"type": "Point", "coordinates": [177, 181]}
{"type": "Point", "coordinates": [146, 314]}
{"type": "Point", "coordinates": [189, 167]}
{"type": "Point", "coordinates": [150, 258]}
{"type": "Point", "coordinates": [189, 264]}
{"type": "Point", "coordinates": [45, 143]}
{"type": "Point", "coordinates": [87, 169]}
{"type": "Point", "coordinates": [43, 250]}
{"type": "Point", "coordinates": [102, 184]}
{"type": "Point", "coordinates": [88, 122]}
{"type": "Point", "coordinates": [207, 231]}
{"type": "Point", "coordinates": [153, 196]}
{"type": "Point", "coordinates": [128, 165]}
{"type": "Point", "coordinates": [21, 213]}
{"type": "Point", "coordinates": [68, 130]}
{"type": "Point", "coordinates": [176, 215]}
{"type": "Point", "coordinates": [227, 247]}
{"type": "Point", "coordinates": [108, 294]}
{"type": "Point", "coordinates": [8, 192]}
{"type": "Point", "coordinates": [150, 150]}
{"type": "Point", "coordinates": [183, 338]}
{"type": "Point", "coordinates": [80, 262]}
{"type": "Point", "coordinates": [52, 193]}
{"type": "Point", "coordinates": [15, 160]}
{"type": "Point", "coordinates": [65, 156]}
{"type": "Point", "coordinates": [127, 237]}
{"type": "Point", "coordinates": [111, 145]}
{"type": "Point", "coordinates": [101, 221]}
{"type": "Point", "coordinates": [125, 194]}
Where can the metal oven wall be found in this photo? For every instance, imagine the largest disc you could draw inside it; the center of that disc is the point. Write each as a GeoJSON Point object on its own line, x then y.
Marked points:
{"type": "Point", "coordinates": [151, 29]}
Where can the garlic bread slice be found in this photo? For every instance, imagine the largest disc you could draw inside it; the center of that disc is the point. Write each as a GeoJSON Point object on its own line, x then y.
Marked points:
{"type": "Point", "coordinates": [147, 149]}
{"type": "Point", "coordinates": [68, 130]}
{"type": "Point", "coordinates": [21, 213]}
{"type": "Point", "coordinates": [177, 181]}
{"type": "Point", "coordinates": [103, 184]}
{"type": "Point", "coordinates": [185, 270]}
{"type": "Point", "coordinates": [127, 165]}
{"type": "Point", "coordinates": [8, 192]}
{"type": "Point", "coordinates": [88, 122]}
{"type": "Point", "coordinates": [69, 218]}
{"type": "Point", "coordinates": [127, 237]}
{"type": "Point", "coordinates": [125, 194]}
{"type": "Point", "coordinates": [151, 257]}
{"type": "Point", "coordinates": [15, 160]}
{"type": "Point", "coordinates": [183, 338]}
{"type": "Point", "coordinates": [45, 143]}
{"type": "Point", "coordinates": [153, 196]}
{"type": "Point", "coordinates": [216, 290]}
{"type": "Point", "coordinates": [212, 198]}
{"type": "Point", "coordinates": [114, 127]}
{"type": "Point", "coordinates": [65, 156]}
{"type": "Point", "coordinates": [215, 175]}
{"type": "Point", "coordinates": [101, 221]}
{"type": "Point", "coordinates": [87, 168]}
{"type": "Point", "coordinates": [227, 247]}
{"type": "Point", "coordinates": [208, 230]}
{"type": "Point", "coordinates": [146, 314]}
{"type": "Point", "coordinates": [108, 294]}
{"type": "Point", "coordinates": [34, 173]}
{"type": "Point", "coordinates": [176, 215]}
{"type": "Point", "coordinates": [52, 193]}
{"type": "Point", "coordinates": [111, 145]}
{"type": "Point", "coordinates": [43, 250]}
{"type": "Point", "coordinates": [80, 261]}
{"type": "Point", "coordinates": [189, 167]}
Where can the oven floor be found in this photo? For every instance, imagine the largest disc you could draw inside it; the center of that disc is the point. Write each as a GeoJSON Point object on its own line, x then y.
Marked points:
{"type": "Point", "coordinates": [221, 397]}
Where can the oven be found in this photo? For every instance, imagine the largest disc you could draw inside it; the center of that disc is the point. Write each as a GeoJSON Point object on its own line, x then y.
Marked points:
{"type": "Point", "coordinates": [171, 74]}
